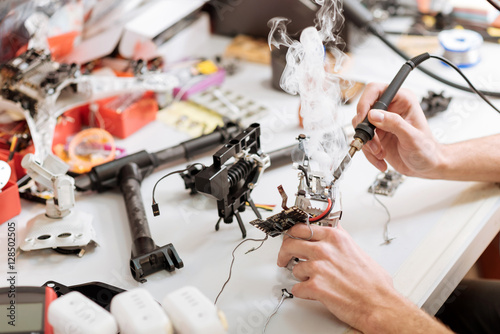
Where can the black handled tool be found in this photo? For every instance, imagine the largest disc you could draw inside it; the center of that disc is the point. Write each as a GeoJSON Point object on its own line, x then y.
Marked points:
{"type": "Point", "coordinates": [365, 131]}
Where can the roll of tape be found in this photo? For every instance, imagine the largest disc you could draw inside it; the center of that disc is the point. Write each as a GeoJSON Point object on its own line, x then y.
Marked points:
{"type": "Point", "coordinates": [461, 46]}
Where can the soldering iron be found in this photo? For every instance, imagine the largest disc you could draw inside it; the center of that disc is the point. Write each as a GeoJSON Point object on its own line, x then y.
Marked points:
{"type": "Point", "coordinates": [365, 131]}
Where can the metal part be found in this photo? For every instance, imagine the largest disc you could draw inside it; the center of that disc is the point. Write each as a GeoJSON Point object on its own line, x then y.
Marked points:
{"type": "Point", "coordinates": [386, 183]}
{"type": "Point", "coordinates": [231, 185]}
{"type": "Point", "coordinates": [316, 196]}
{"type": "Point", "coordinates": [147, 258]}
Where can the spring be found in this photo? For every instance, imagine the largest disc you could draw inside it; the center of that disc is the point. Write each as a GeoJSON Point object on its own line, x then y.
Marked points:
{"type": "Point", "coordinates": [238, 171]}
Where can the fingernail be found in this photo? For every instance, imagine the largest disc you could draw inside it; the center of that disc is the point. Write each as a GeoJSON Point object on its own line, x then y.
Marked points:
{"type": "Point", "coordinates": [376, 115]}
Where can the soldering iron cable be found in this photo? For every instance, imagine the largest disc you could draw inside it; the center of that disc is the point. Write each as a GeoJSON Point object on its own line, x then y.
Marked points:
{"type": "Point", "coordinates": [357, 14]}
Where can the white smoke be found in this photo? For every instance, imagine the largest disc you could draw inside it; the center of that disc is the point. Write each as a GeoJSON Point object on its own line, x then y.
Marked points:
{"type": "Point", "coordinates": [319, 89]}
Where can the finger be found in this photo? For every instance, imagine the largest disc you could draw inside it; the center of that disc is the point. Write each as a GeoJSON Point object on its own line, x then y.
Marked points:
{"type": "Point", "coordinates": [375, 147]}
{"type": "Point", "coordinates": [304, 270]}
{"type": "Point", "coordinates": [292, 248]}
{"type": "Point", "coordinates": [308, 232]}
{"type": "Point", "coordinates": [393, 123]}
{"type": "Point", "coordinates": [380, 164]}
{"type": "Point", "coordinates": [370, 95]}
{"type": "Point", "coordinates": [305, 290]}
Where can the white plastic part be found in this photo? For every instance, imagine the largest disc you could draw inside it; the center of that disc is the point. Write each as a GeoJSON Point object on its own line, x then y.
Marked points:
{"type": "Point", "coordinates": [5, 172]}
{"type": "Point", "coordinates": [136, 312]}
{"type": "Point", "coordinates": [74, 313]}
{"type": "Point", "coordinates": [192, 312]}
{"type": "Point", "coordinates": [52, 174]}
{"type": "Point", "coordinates": [74, 230]}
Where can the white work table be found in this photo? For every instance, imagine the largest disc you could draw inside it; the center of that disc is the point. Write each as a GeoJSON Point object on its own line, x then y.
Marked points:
{"type": "Point", "coordinates": [441, 227]}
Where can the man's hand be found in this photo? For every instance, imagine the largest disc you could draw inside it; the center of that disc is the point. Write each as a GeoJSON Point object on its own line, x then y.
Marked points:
{"type": "Point", "coordinates": [339, 274]}
{"type": "Point", "coordinates": [403, 137]}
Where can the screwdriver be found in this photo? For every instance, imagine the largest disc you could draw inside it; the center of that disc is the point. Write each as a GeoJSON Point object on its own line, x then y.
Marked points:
{"type": "Point", "coordinates": [365, 131]}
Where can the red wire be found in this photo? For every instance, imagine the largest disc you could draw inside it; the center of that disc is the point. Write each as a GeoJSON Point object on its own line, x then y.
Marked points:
{"type": "Point", "coordinates": [323, 214]}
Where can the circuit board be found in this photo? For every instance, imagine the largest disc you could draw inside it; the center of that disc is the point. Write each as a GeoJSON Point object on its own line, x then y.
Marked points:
{"type": "Point", "coordinates": [386, 183]}
{"type": "Point", "coordinates": [280, 222]}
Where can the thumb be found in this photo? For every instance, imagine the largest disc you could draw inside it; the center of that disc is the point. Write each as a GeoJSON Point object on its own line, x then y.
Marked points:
{"type": "Point", "coordinates": [393, 123]}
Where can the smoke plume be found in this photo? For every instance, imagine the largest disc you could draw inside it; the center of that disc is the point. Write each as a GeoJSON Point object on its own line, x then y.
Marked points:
{"type": "Point", "coordinates": [318, 88]}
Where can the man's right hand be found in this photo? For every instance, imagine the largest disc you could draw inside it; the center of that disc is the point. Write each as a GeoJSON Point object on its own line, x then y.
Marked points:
{"type": "Point", "coordinates": [403, 137]}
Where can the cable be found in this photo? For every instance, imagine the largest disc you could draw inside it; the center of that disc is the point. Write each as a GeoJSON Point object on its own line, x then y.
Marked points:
{"type": "Point", "coordinates": [478, 92]}
{"type": "Point", "coordinates": [494, 3]}
{"type": "Point", "coordinates": [156, 210]}
{"type": "Point", "coordinates": [304, 170]}
{"type": "Point", "coordinates": [324, 213]}
{"type": "Point", "coordinates": [232, 262]}
{"type": "Point", "coordinates": [431, 74]}
{"type": "Point", "coordinates": [360, 16]}
{"type": "Point", "coordinates": [284, 295]}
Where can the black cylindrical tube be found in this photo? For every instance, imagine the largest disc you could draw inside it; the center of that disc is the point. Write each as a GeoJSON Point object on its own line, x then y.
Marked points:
{"type": "Point", "coordinates": [171, 155]}
{"type": "Point", "coordinates": [130, 186]}
{"type": "Point", "coordinates": [196, 146]}
{"type": "Point", "coordinates": [105, 176]}
{"type": "Point", "coordinates": [281, 157]}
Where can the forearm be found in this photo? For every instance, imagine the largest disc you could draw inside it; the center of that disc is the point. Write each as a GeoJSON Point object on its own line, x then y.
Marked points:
{"type": "Point", "coordinates": [399, 315]}
{"type": "Point", "coordinates": [471, 160]}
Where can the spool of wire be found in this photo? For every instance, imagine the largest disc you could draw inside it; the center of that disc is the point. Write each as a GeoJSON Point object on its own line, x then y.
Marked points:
{"type": "Point", "coordinates": [461, 46]}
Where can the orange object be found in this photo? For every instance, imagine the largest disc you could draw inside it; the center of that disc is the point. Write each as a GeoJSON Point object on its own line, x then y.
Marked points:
{"type": "Point", "coordinates": [68, 124]}
{"type": "Point", "coordinates": [61, 45]}
{"type": "Point", "coordinates": [92, 139]}
{"type": "Point", "coordinates": [122, 117]}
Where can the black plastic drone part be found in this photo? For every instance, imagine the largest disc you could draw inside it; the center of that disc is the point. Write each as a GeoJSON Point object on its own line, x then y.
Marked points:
{"type": "Point", "coordinates": [231, 186]}
{"type": "Point", "coordinates": [147, 258]}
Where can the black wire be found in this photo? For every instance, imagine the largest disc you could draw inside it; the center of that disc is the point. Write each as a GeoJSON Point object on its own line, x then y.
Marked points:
{"type": "Point", "coordinates": [478, 92]}
{"type": "Point", "coordinates": [174, 172]}
{"type": "Point", "coordinates": [494, 3]}
{"type": "Point", "coordinates": [304, 170]}
{"type": "Point", "coordinates": [382, 37]}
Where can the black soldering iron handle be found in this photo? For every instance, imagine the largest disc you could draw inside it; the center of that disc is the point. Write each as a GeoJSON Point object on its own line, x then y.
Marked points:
{"type": "Point", "coordinates": [365, 130]}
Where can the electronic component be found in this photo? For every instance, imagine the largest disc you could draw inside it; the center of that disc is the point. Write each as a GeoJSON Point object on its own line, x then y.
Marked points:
{"type": "Point", "coordinates": [193, 313]}
{"type": "Point", "coordinates": [25, 309]}
{"type": "Point", "coordinates": [136, 312]}
{"type": "Point", "coordinates": [75, 313]}
{"type": "Point", "coordinates": [231, 185]}
{"type": "Point", "coordinates": [434, 103]}
{"type": "Point", "coordinates": [386, 183]}
{"type": "Point", "coordinates": [281, 222]}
